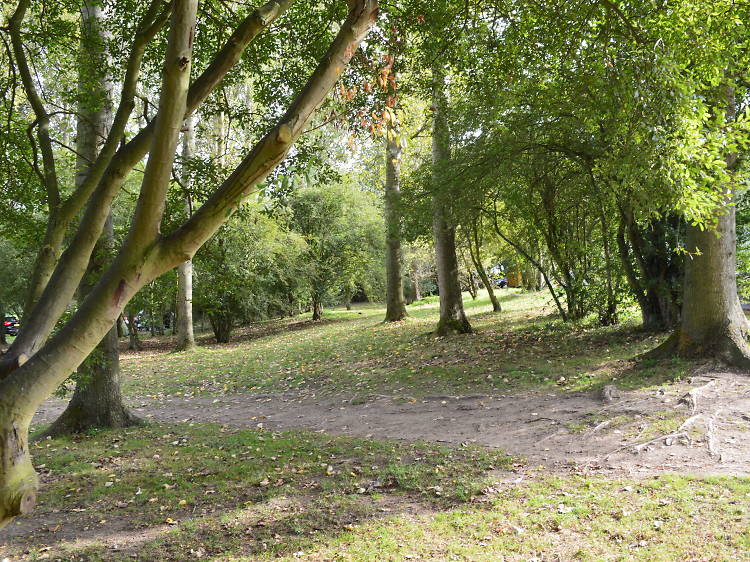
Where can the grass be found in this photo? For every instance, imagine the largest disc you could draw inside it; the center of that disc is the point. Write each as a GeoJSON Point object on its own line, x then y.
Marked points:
{"type": "Point", "coordinates": [200, 491]}
{"type": "Point", "coordinates": [177, 492]}
{"type": "Point", "coordinates": [355, 351]}
{"type": "Point", "coordinates": [227, 490]}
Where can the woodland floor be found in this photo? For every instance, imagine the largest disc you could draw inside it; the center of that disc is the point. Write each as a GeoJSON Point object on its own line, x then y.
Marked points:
{"type": "Point", "coordinates": [356, 440]}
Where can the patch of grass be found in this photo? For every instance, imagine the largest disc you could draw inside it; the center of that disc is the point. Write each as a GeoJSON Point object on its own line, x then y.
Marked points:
{"type": "Point", "coordinates": [178, 492]}
{"type": "Point", "coordinates": [354, 351]}
{"type": "Point", "coordinates": [199, 479]}
{"type": "Point", "coordinates": [570, 518]}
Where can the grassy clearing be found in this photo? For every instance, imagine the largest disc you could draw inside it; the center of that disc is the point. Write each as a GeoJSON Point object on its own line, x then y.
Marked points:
{"type": "Point", "coordinates": [355, 351]}
{"type": "Point", "coordinates": [180, 492]}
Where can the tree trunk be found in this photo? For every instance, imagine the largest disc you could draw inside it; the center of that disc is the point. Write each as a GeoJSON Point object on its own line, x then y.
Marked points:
{"type": "Point", "coordinates": [657, 281]}
{"type": "Point", "coordinates": [221, 324]}
{"type": "Point", "coordinates": [475, 252]}
{"type": "Point", "coordinates": [97, 400]}
{"type": "Point", "coordinates": [473, 287]}
{"type": "Point", "coordinates": [416, 280]}
{"type": "Point", "coordinates": [317, 308]}
{"type": "Point", "coordinates": [452, 317]}
{"type": "Point", "coordinates": [713, 325]}
{"type": "Point", "coordinates": [3, 339]}
{"type": "Point", "coordinates": [395, 302]}
{"type": "Point", "coordinates": [185, 334]}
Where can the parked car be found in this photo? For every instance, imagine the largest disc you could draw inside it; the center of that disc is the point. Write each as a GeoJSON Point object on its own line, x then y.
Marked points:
{"type": "Point", "coordinates": [11, 325]}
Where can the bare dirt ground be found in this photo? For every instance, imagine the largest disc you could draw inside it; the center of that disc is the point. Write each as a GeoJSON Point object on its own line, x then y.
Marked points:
{"type": "Point", "coordinates": [699, 426]}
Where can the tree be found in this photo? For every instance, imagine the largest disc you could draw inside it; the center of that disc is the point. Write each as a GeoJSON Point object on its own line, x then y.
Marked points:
{"type": "Point", "coordinates": [341, 228]}
{"type": "Point", "coordinates": [474, 242]}
{"type": "Point", "coordinates": [185, 335]}
{"type": "Point", "coordinates": [97, 398]}
{"type": "Point", "coordinates": [452, 317]}
{"type": "Point", "coordinates": [33, 368]}
{"type": "Point", "coordinates": [249, 271]}
{"type": "Point", "coordinates": [395, 302]}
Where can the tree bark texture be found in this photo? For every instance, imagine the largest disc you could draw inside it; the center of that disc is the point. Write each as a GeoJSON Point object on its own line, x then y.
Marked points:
{"type": "Point", "coordinates": [452, 317]}
{"type": "Point", "coordinates": [395, 302]}
{"type": "Point", "coordinates": [713, 324]}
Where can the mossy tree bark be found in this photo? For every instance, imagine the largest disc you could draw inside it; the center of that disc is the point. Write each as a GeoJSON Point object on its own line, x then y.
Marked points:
{"type": "Point", "coordinates": [452, 316]}
{"type": "Point", "coordinates": [395, 301]}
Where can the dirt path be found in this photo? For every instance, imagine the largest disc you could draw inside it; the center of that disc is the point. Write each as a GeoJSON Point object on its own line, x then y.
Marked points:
{"type": "Point", "coordinates": [561, 431]}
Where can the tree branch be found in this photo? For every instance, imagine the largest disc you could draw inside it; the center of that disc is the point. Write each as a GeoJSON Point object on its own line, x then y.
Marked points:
{"type": "Point", "coordinates": [184, 242]}
{"type": "Point", "coordinates": [35, 100]}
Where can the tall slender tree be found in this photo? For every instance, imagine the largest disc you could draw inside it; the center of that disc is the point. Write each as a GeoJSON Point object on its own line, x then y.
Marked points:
{"type": "Point", "coordinates": [97, 398]}
{"type": "Point", "coordinates": [452, 316]}
{"type": "Point", "coordinates": [395, 301]}
{"type": "Point", "coordinates": [185, 334]}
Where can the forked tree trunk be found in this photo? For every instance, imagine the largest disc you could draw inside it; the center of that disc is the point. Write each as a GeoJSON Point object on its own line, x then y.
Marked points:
{"type": "Point", "coordinates": [109, 172]}
{"type": "Point", "coordinates": [452, 317]}
{"type": "Point", "coordinates": [27, 380]}
{"type": "Point", "coordinates": [657, 280]}
{"type": "Point", "coordinates": [97, 400]}
{"type": "Point", "coordinates": [185, 334]}
{"type": "Point", "coordinates": [395, 302]}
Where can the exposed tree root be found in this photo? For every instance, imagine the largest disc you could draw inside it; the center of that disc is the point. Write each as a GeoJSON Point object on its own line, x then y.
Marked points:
{"type": "Point", "coordinates": [74, 420]}
{"type": "Point", "coordinates": [691, 398]}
